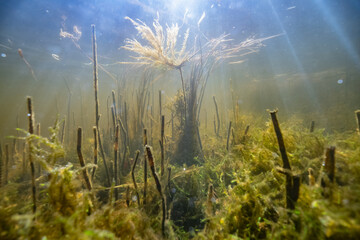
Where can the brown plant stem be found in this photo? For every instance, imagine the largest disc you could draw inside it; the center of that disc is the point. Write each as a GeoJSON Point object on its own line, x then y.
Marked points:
{"type": "Point", "coordinates": [6, 164]}
{"type": "Point", "coordinates": [1, 164]}
{"type": "Point", "coordinates": [228, 137]}
{"type": "Point", "coordinates": [116, 147]}
{"type": "Point", "coordinates": [217, 116]}
{"type": "Point", "coordinates": [158, 186]}
{"type": "Point", "coordinates": [133, 177]}
{"type": "Point", "coordinates": [292, 182]}
{"type": "Point", "coordinates": [97, 115]}
{"type": "Point", "coordinates": [95, 153]}
{"type": "Point", "coordinates": [183, 88]}
{"type": "Point", "coordinates": [312, 126]}
{"type": "Point", "coordinates": [145, 169]}
{"type": "Point", "coordinates": [32, 166]}
{"type": "Point", "coordinates": [81, 159]}
{"type": "Point", "coordinates": [162, 168]}
{"type": "Point", "coordinates": [357, 114]}
{"type": "Point", "coordinates": [329, 169]}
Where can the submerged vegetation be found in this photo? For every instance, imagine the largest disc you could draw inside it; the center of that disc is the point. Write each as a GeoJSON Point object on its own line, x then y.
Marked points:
{"type": "Point", "coordinates": [255, 179]}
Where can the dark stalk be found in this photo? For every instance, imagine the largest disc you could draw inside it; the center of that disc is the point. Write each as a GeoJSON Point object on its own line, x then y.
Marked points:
{"type": "Point", "coordinates": [1, 164]}
{"type": "Point", "coordinates": [162, 145]}
{"type": "Point", "coordinates": [32, 165]}
{"type": "Point", "coordinates": [6, 163]}
{"type": "Point", "coordinates": [228, 137]}
{"type": "Point", "coordinates": [116, 147]}
{"type": "Point", "coordinates": [158, 186]}
{"type": "Point", "coordinates": [312, 126]}
{"type": "Point", "coordinates": [145, 169]}
{"type": "Point", "coordinates": [97, 115]}
{"type": "Point", "coordinates": [81, 159]}
{"type": "Point", "coordinates": [133, 177]}
{"type": "Point", "coordinates": [292, 182]}
{"type": "Point", "coordinates": [95, 153]}
{"type": "Point", "coordinates": [329, 169]}
{"type": "Point", "coordinates": [217, 116]}
{"type": "Point", "coordinates": [357, 114]}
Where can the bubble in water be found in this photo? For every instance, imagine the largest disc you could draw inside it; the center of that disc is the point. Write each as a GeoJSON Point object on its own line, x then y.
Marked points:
{"type": "Point", "coordinates": [3, 55]}
{"type": "Point", "coordinates": [184, 169]}
{"type": "Point", "coordinates": [340, 81]}
{"type": "Point", "coordinates": [213, 199]}
{"type": "Point", "coordinates": [173, 190]}
{"type": "Point", "coordinates": [134, 198]}
{"type": "Point", "coordinates": [28, 114]}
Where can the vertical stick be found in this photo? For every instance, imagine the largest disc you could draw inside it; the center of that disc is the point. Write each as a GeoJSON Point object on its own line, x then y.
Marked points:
{"type": "Point", "coordinates": [133, 177]}
{"type": "Point", "coordinates": [312, 126]}
{"type": "Point", "coordinates": [228, 137]}
{"type": "Point", "coordinates": [6, 163]}
{"type": "Point", "coordinates": [145, 169]}
{"type": "Point", "coordinates": [95, 153]}
{"type": "Point", "coordinates": [172, 126]}
{"type": "Point", "coordinates": [286, 165]}
{"type": "Point", "coordinates": [24, 158]}
{"type": "Point", "coordinates": [97, 115]}
{"type": "Point", "coordinates": [62, 132]}
{"type": "Point", "coordinates": [160, 107]}
{"type": "Point", "coordinates": [158, 186]}
{"type": "Point", "coordinates": [217, 115]}
{"type": "Point", "coordinates": [116, 146]}
{"type": "Point", "coordinates": [81, 159]}
{"type": "Point", "coordinates": [357, 114]}
{"type": "Point", "coordinates": [32, 166]}
{"type": "Point", "coordinates": [162, 145]}
{"type": "Point", "coordinates": [1, 164]}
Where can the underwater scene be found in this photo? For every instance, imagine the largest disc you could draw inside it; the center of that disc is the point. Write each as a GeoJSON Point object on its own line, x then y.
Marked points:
{"type": "Point", "coordinates": [180, 119]}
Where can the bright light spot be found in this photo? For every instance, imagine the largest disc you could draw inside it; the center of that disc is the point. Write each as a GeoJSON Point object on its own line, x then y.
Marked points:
{"type": "Point", "coordinates": [134, 198]}
{"type": "Point", "coordinates": [340, 81]}
{"type": "Point", "coordinates": [162, 92]}
{"type": "Point", "coordinates": [213, 200]}
{"type": "Point", "coordinates": [28, 114]}
{"type": "Point", "coordinates": [3, 55]}
{"type": "Point", "coordinates": [184, 169]}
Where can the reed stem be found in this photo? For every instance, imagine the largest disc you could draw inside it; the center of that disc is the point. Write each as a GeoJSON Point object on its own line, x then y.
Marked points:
{"type": "Point", "coordinates": [145, 169]}
{"type": "Point", "coordinates": [162, 167]}
{"type": "Point", "coordinates": [357, 114]}
{"type": "Point", "coordinates": [32, 165]}
{"type": "Point", "coordinates": [217, 116]}
{"type": "Point", "coordinates": [97, 115]}
{"type": "Point", "coordinates": [81, 159]}
{"type": "Point", "coordinates": [158, 186]}
{"type": "Point", "coordinates": [95, 153]}
{"type": "Point", "coordinates": [133, 177]}
{"type": "Point", "coordinates": [228, 137]}
{"type": "Point", "coordinates": [116, 146]}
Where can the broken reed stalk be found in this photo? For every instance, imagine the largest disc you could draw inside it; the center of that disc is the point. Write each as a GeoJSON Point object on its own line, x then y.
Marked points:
{"type": "Point", "coordinates": [312, 126]}
{"type": "Point", "coordinates": [95, 153]}
{"type": "Point", "coordinates": [32, 165]}
{"type": "Point", "coordinates": [81, 159]}
{"type": "Point", "coordinates": [6, 163]}
{"type": "Point", "coordinates": [357, 114]}
{"type": "Point", "coordinates": [145, 169]}
{"type": "Point", "coordinates": [292, 182]}
{"type": "Point", "coordinates": [215, 125]}
{"type": "Point", "coordinates": [158, 186]}
{"type": "Point", "coordinates": [128, 196]}
{"type": "Point", "coordinates": [97, 115]}
{"type": "Point", "coordinates": [133, 177]}
{"type": "Point", "coordinates": [62, 132]}
{"type": "Point", "coordinates": [217, 116]}
{"type": "Point", "coordinates": [24, 159]}
{"type": "Point", "coordinates": [1, 163]}
{"type": "Point", "coordinates": [162, 167]}
{"type": "Point", "coordinates": [329, 169]}
{"type": "Point", "coordinates": [228, 137]}
{"type": "Point", "coordinates": [160, 106]}
{"type": "Point", "coordinates": [116, 147]}
{"type": "Point", "coordinates": [245, 133]}
{"type": "Point", "coordinates": [209, 202]}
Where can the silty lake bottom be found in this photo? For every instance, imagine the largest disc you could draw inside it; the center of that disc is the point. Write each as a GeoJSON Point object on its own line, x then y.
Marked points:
{"type": "Point", "coordinates": [180, 119]}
